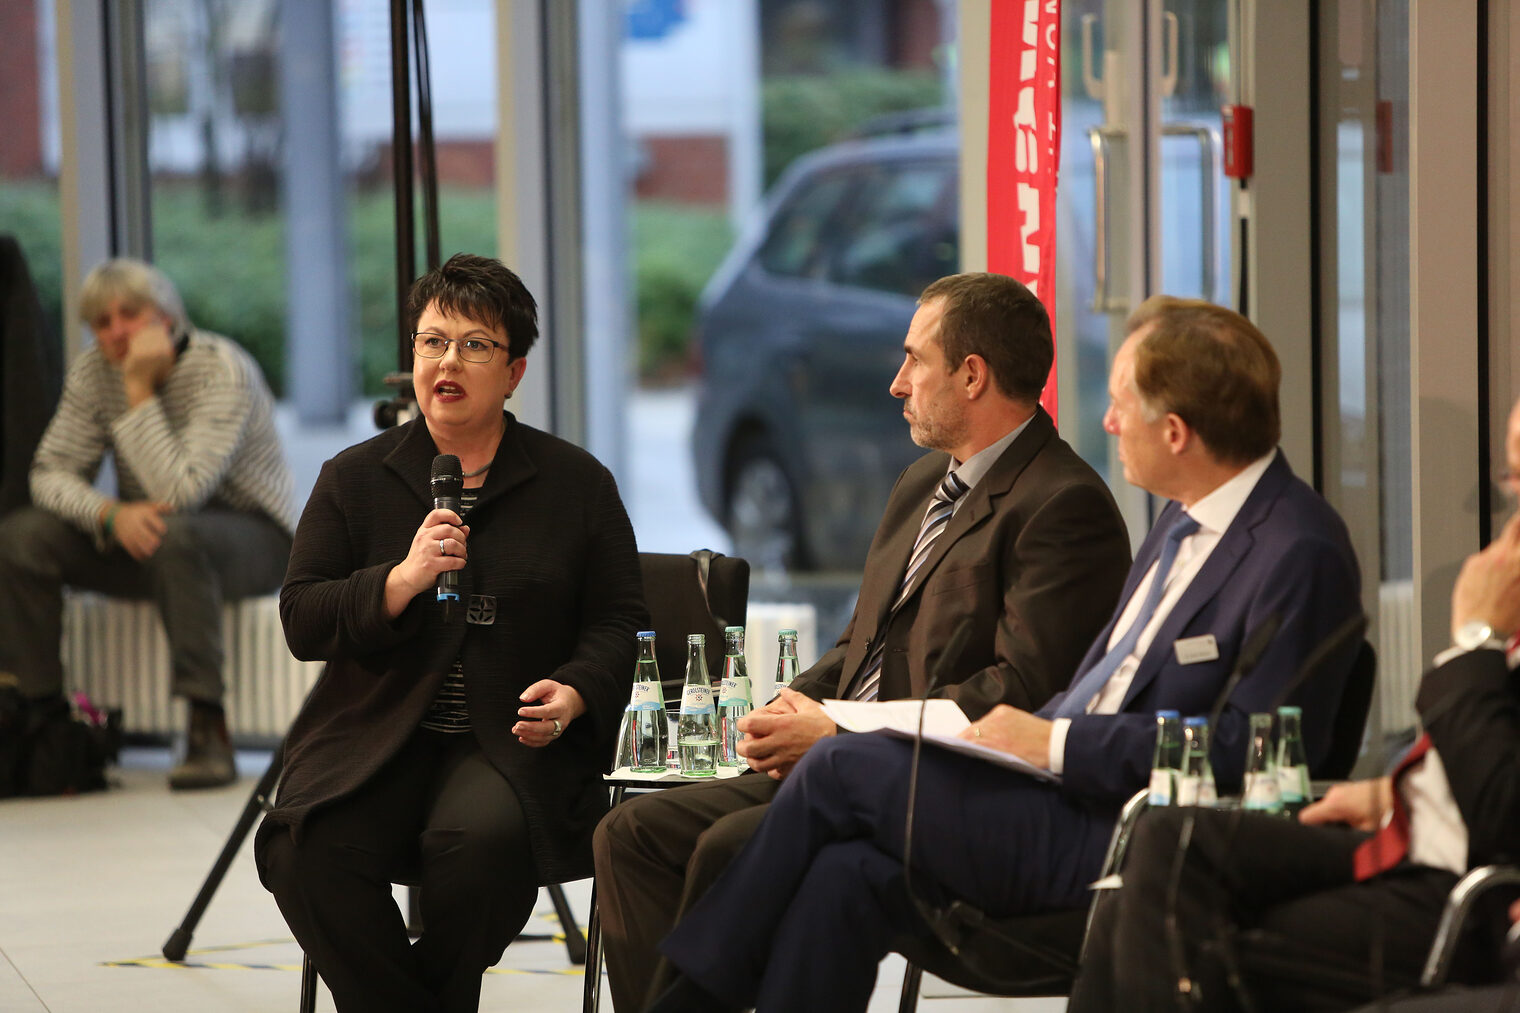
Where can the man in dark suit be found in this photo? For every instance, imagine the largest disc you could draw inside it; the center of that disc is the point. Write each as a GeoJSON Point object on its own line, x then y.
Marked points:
{"type": "Point", "coordinates": [802, 917]}
{"type": "Point", "coordinates": [1003, 524]}
{"type": "Point", "coordinates": [1324, 914]}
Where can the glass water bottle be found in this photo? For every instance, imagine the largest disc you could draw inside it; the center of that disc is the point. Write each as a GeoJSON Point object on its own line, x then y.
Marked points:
{"type": "Point", "coordinates": [786, 657]}
{"type": "Point", "coordinates": [1166, 765]}
{"type": "Point", "coordinates": [643, 746]}
{"type": "Point", "coordinates": [1259, 791]}
{"type": "Point", "coordinates": [697, 727]}
{"type": "Point", "coordinates": [735, 698]}
{"type": "Point", "coordinates": [1292, 761]}
{"type": "Point", "coordinates": [1196, 786]}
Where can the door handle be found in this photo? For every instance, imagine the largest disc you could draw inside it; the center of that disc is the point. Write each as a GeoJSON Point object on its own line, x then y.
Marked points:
{"type": "Point", "coordinates": [1103, 299]}
{"type": "Point", "coordinates": [1168, 83]}
{"type": "Point", "coordinates": [1208, 144]}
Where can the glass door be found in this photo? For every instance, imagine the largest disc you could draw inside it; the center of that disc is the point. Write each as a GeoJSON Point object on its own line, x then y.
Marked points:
{"type": "Point", "coordinates": [1143, 207]}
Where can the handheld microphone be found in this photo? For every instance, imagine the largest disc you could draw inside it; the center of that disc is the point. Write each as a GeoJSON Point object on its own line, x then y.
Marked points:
{"type": "Point", "coordinates": [1251, 649]}
{"type": "Point", "coordinates": [448, 488]}
{"type": "Point", "coordinates": [954, 647]}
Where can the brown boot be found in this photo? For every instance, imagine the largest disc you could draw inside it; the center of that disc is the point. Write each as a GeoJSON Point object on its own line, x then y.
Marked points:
{"type": "Point", "coordinates": [208, 759]}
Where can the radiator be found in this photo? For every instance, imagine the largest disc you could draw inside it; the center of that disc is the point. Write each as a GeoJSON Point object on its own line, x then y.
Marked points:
{"type": "Point", "coordinates": [116, 652]}
{"type": "Point", "coordinates": [1398, 647]}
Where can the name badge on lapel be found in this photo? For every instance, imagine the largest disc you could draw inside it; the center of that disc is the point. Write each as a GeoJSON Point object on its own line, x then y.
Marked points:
{"type": "Point", "coordinates": [1192, 650]}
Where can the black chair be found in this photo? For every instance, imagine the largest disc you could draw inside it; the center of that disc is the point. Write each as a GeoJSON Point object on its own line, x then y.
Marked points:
{"type": "Point", "coordinates": [699, 593]}
{"type": "Point", "coordinates": [1035, 955]}
{"type": "Point", "coordinates": [1456, 925]}
{"type": "Point", "coordinates": [1038, 955]}
{"type": "Point", "coordinates": [1351, 717]}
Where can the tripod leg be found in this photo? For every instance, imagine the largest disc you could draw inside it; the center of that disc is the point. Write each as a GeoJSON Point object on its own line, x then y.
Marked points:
{"type": "Point", "coordinates": [179, 940]}
{"type": "Point", "coordinates": [575, 943]}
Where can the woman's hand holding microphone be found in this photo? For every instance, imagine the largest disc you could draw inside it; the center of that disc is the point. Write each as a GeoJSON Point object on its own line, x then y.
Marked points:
{"type": "Point", "coordinates": [438, 546]}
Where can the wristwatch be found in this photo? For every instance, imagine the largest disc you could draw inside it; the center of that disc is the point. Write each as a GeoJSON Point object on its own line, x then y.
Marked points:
{"type": "Point", "coordinates": [1476, 635]}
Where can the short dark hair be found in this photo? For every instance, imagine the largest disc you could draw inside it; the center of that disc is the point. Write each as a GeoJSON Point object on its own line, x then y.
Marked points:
{"type": "Point", "coordinates": [482, 289]}
{"type": "Point", "coordinates": [996, 317]}
{"type": "Point", "coordinates": [1212, 368]}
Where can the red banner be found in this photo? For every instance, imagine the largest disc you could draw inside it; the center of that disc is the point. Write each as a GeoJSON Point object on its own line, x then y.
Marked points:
{"type": "Point", "coordinates": [1024, 150]}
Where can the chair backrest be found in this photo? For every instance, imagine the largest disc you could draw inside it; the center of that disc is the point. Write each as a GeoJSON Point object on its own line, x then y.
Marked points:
{"type": "Point", "coordinates": [697, 593]}
{"type": "Point", "coordinates": [1350, 717]}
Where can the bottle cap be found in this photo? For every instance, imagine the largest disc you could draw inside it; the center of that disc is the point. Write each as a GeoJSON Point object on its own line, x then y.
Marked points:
{"type": "Point", "coordinates": [733, 629]}
{"type": "Point", "coordinates": [1174, 715]}
{"type": "Point", "coordinates": [696, 638]}
{"type": "Point", "coordinates": [1287, 712]}
{"type": "Point", "coordinates": [1196, 722]}
{"type": "Point", "coordinates": [787, 633]}
{"type": "Point", "coordinates": [645, 634]}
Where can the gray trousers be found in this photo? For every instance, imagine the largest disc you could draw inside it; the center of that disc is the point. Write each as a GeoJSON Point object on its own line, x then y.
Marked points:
{"type": "Point", "coordinates": [206, 557]}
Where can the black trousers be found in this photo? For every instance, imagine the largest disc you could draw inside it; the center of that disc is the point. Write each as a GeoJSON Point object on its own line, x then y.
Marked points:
{"type": "Point", "coordinates": [207, 556]}
{"type": "Point", "coordinates": [1260, 913]}
{"type": "Point", "coordinates": [439, 815]}
{"type": "Point", "coordinates": [656, 855]}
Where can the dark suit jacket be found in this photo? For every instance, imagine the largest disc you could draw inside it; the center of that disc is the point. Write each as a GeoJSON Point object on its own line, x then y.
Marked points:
{"type": "Point", "coordinates": [549, 538]}
{"type": "Point", "coordinates": [1286, 553]}
{"type": "Point", "coordinates": [1471, 708]}
{"type": "Point", "coordinates": [1034, 557]}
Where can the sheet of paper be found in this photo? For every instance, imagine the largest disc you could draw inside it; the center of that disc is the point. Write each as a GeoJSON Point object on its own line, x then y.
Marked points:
{"type": "Point", "coordinates": [943, 722]}
{"type": "Point", "coordinates": [942, 717]}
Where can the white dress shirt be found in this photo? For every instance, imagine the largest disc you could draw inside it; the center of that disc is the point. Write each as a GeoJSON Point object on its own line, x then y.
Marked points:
{"type": "Point", "coordinates": [972, 469]}
{"type": "Point", "coordinates": [1437, 832]}
{"type": "Point", "coordinates": [1214, 514]}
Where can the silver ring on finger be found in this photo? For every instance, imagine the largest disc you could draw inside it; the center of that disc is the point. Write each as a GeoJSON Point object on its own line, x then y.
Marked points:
{"type": "Point", "coordinates": [441, 550]}
{"type": "Point", "coordinates": [557, 728]}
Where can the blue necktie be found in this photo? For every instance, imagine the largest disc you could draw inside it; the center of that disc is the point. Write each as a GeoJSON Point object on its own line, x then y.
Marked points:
{"type": "Point", "coordinates": [1097, 677]}
{"type": "Point", "coordinates": [941, 507]}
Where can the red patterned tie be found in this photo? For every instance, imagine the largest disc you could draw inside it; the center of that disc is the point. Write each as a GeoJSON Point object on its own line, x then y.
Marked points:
{"type": "Point", "coordinates": [1387, 848]}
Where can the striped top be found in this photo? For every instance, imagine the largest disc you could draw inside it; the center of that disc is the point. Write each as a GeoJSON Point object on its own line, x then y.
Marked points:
{"type": "Point", "coordinates": [207, 437]}
{"type": "Point", "coordinates": [449, 712]}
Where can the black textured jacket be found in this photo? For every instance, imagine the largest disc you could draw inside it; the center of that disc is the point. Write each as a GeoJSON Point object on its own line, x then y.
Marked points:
{"type": "Point", "coordinates": [551, 541]}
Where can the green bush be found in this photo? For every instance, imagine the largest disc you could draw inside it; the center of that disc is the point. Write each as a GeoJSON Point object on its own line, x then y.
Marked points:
{"type": "Point", "coordinates": [230, 268]}
{"type": "Point", "coordinates": [802, 112]}
{"type": "Point", "coordinates": [676, 248]}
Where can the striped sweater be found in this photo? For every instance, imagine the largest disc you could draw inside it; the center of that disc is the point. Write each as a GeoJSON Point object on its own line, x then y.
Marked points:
{"type": "Point", "coordinates": [206, 437]}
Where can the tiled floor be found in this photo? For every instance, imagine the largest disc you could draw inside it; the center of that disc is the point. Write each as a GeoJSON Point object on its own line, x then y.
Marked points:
{"type": "Point", "coordinates": [90, 888]}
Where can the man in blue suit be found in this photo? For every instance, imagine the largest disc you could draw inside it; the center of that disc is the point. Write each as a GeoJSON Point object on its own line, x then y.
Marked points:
{"type": "Point", "coordinates": [817, 898]}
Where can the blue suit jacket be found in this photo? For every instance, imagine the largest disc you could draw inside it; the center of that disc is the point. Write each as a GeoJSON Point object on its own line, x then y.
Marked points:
{"type": "Point", "coordinates": [1287, 552]}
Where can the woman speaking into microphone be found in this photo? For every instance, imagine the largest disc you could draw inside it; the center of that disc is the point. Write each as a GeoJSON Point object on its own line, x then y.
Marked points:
{"type": "Point", "coordinates": [459, 746]}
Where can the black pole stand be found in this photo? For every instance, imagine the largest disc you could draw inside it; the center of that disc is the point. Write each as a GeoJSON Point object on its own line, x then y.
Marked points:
{"type": "Point", "coordinates": [178, 942]}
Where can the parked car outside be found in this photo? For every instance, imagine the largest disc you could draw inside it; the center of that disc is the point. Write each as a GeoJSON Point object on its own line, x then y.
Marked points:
{"type": "Point", "coordinates": [797, 440]}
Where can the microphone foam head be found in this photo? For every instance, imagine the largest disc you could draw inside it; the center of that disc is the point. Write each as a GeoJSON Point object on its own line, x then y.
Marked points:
{"type": "Point", "coordinates": [448, 476]}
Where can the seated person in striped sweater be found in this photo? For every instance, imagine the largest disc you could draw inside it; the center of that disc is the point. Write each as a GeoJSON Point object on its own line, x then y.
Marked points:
{"type": "Point", "coordinates": [202, 510]}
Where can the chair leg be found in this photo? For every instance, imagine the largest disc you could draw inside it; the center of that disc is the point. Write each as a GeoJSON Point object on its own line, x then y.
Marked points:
{"type": "Point", "coordinates": [591, 993]}
{"type": "Point", "coordinates": [575, 943]}
{"type": "Point", "coordinates": [912, 976]}
{"type": "Point", "coordinates": [308, 985]}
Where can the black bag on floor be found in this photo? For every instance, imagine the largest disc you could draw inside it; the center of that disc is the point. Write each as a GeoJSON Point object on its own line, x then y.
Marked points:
{"type": "Point", "coordinates": [46, 750]}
